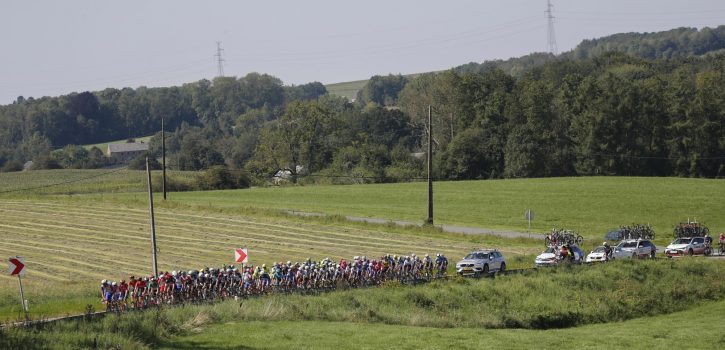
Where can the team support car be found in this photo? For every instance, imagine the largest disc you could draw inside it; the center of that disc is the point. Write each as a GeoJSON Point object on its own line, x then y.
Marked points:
{"type": "Point", "coordinates": [615, 235]}
{"type": "Point", "coordinates": [597, 255]}
{"type": "Point", "coordinates": [686, 246]}
{"type": "Point", "coordinates": [552, 256]}
{"type": "Point", "coordinates": [634, 248]}
{"type": "Point", "coordinates": [481, 262]}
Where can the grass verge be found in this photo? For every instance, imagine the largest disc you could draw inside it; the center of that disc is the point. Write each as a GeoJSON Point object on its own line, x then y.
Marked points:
{"type": "Point", "coordinates": [460, 312]}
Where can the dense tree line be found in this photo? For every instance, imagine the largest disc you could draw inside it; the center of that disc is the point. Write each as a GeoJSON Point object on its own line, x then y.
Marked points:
{"type": "Point", "coordinates": [613, 115]}
{"type": "Point", "coordinates": [218, 117]}
{"type": "Point", "coordinates": [599, 113]}
{"type": "Point", "coordinates": [675, 43]}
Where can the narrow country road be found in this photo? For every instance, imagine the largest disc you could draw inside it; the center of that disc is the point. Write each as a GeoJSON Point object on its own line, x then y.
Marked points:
{"type": "Point", "coordinates": [445, 228]}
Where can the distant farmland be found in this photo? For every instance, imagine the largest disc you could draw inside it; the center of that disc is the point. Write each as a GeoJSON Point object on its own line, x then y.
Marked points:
{"type": "Point", "coordinates": [591, 205]}
{"type": "Point", "coordinates": [346, 89]}
{"type": "Point", "coordinates": [76, 243]}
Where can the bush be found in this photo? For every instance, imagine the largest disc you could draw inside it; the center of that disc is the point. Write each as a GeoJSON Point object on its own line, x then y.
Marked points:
{"type": "Point", "coordinates": [220, 178]}
{"type": "Point", "coordinates": [139, 163]}
{"type": "Point", "coordinates": [12, 165]}
{"type": "Point", "coordinates": [173, 183]}
{"type": "Point", "coordinates": [45, 162]}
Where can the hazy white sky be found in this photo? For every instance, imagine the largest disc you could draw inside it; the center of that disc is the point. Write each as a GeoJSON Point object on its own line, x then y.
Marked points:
{"type": "Point", "coordinates": [57, 47]}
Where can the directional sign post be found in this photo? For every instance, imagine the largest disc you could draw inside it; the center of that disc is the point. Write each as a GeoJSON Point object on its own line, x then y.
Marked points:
{"type": "Point", "coordinates": [240, 255]}
{"type": "Point", "coordinates": [16, 267]}
{"type": "Point", "coordinates": [529, 215]}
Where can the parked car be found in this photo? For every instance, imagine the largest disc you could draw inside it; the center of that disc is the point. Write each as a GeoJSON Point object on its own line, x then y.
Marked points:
{"type": "Point", "coordinates": [552, 257]}
{"type": "Point", "coordinates": [634, 248]}
{"type": "Point", "coordinates": [615, 235]}
{"type": "Point", "coordinates": [597, 255]}
{"type": "Point", "coordinates": [481, 262]}
{"type": "Point", "coordinates": [686, 246]}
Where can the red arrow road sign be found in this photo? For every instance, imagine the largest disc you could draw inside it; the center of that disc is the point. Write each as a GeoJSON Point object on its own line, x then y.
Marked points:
{"type": "Point", "coordinates": [17, 266]}
{"type": "Point", "coordinates": [240, 255]}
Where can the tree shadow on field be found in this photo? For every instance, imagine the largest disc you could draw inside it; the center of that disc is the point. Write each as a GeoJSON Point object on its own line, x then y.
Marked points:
{"type": "Point", "coordinates": [200, 345]}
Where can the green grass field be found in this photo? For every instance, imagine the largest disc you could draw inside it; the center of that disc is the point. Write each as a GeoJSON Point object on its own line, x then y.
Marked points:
{"type": "Point", "coordinates": [349, 89]}
{"type": "Point", "coordinates": [697, 328]}
{"type": "Point", "coordinates": [591, 205]}
{"type": "Point", "coordinates": [346, 89]}
{"type": "Point", "coordinates": [75, 234]}
{"type": "Point", "coordinates": [632, 304]}
{"type": "Point", "coordinates": [103, 146]}
{"type": "Point", "coordinates": [73, 181]}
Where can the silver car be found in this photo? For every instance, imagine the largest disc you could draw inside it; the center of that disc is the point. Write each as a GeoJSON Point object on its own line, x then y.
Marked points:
{"type": "Point", "coordinates": [634, 248]}
{"type": "Point", "coordinates": [481, 262]}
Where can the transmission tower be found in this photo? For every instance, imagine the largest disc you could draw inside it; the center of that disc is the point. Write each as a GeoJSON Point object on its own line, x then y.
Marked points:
{"type": "Point", "coordinates": [220, 60]}
{"type": "Point", "coordinates": [551, 36]}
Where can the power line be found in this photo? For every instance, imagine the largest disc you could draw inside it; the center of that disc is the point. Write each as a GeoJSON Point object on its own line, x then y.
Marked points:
{"type": "Point", "coordinates": [219, 58]}
{"type": "Point", "coordinates": [551, 36]}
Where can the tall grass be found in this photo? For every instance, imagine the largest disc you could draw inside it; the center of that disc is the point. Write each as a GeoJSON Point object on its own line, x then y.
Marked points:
{"type": "Point", "coordinates": [545, 299]}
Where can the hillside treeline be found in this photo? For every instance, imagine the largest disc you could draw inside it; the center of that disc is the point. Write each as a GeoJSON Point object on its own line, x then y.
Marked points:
{"type": "Point", "coordinates": [675, 43]}
{"type": "Point", "coordinates": [611, 114]}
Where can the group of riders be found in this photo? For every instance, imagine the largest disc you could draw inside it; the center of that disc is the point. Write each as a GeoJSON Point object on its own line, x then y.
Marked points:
{"type": "Point", "coordinates": [208, 284]}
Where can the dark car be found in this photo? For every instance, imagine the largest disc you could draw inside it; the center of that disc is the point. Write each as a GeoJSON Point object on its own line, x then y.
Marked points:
{"type": "Point", "coordinates": [614, 235]}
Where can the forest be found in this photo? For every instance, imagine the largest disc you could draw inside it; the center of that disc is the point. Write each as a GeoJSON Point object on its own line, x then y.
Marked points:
{"type": "Point", "coordinates": [630, 104]}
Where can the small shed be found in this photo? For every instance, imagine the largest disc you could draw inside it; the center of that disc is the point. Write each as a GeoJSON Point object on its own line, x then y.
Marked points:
{"type": "Point", "coordinates": [126, 152]}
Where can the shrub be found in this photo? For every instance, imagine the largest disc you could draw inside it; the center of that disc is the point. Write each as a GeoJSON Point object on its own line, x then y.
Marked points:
{"type": "Point", "coordinates": [45, 162]}
{"type": "Point", "coordinates": [139, 163]}
{"type": "Point", "coordinates": [12, 165]}
{"type": "Point", "coordinates": [220, 178]}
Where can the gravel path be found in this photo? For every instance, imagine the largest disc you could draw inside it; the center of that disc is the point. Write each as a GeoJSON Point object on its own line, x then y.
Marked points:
{"type": "Point", "coordinates": [445, 228]}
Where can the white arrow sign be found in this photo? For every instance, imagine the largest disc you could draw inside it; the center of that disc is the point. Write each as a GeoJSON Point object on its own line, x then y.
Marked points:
{"type": "Point", "coordinates": [241, 256]}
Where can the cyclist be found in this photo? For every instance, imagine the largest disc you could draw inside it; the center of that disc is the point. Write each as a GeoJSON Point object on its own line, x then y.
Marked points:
{"type": "Point", "coordinates": [103, 289]}
{"type": "Point", "coordinates": [722, 242]}
{"type": "Point", "coordinates": [564, 252]}
{"type": "Point", "coordinates": [708, 245]}
{"type": "Point", "coordinates": [122, 294]}
{"type": "Point", "coordinates": [607, 251]}
{"type": "Point", "coordinates": [428, 264]}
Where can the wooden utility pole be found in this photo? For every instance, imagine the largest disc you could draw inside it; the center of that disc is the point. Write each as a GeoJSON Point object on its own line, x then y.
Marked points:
{"type": "Point", "coordinates": [430, 168]}
{"type": "Point", "coordinates": [163, 156]}
{"type": "Point", "coordinates": [154, 266]}
{"type": "Point", "coordinates": [451, 126]}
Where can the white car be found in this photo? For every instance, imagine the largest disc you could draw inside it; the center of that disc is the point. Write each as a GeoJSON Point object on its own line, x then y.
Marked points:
{"type": "Point", "coordinates": [551, 257]}
{"type": "Point", "coordinates": [634, 249]}
{"type": "Point", "coordinates": [597, 255]}
{"type": "Point", "coordinates": [686, 246]}
{"type": "Point", "coordinates": [481, 262]}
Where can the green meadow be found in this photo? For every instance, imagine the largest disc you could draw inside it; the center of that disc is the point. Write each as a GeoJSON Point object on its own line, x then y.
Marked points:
{"type": "Point", "coordinates": [632, 304]}
{"type": "Point", "coordinates": [591, 205]}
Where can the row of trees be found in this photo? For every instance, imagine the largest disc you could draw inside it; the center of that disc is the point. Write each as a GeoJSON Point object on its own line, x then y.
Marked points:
{"type": "Point", "coordinates": [611, 114]}
{"type": "Point", "coordinates": [31, 127]}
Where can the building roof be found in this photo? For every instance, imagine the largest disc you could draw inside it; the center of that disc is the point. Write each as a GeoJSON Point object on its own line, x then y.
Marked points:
{"type": "Point", "coordinates": [128, 147]}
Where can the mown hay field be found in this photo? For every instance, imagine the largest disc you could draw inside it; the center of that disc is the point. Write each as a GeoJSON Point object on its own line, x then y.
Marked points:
{"type": "Point", "coordinates": [591, 205]}
{"type": "Point", "coordinates": [70, 245]}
